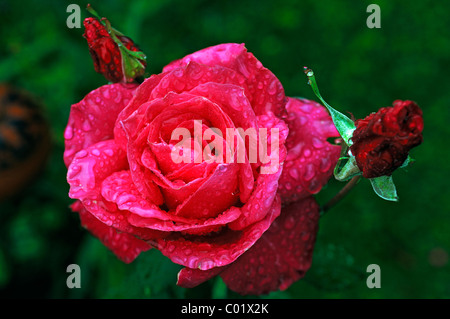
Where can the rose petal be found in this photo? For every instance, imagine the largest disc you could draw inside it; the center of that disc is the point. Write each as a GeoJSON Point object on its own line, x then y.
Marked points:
{"type": "Point", "coordinates": [260, 201]}
{"type": "Point", "coordinates": [266, 93]}
{"type": "Point", "coordinates": [141, 96]}
{"type": "Point", "coordinates": [282, 255]}
{"type": "Point", "coordinates": [182, 224]}
{"type": "Point", "coordinates": [120, 189]}
{"type": "Point", "coordinates": [215, 250]}
{"type": "Point", "coordinates": [125, 246]}
{"type": "Point", "coordinates": [190, 278]}
{"type": "Point", "coordinates": [310, 159]}
{"type": "Point", "coordinates": [220, 189]}
{"type": "Point", "coordinates": [85, 175]}
{"type": "Point", "coordinates": [92, 119]}
{"type": "Point", "coordinates": [190, 75]}
{"type": "Point", "coordinates": [92, 165]}
{"type": "Point", "coordinates": [231, 99]}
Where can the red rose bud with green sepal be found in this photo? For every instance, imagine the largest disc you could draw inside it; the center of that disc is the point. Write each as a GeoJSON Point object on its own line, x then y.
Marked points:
{"type": "Point", "coordinates": [114, 55]}
{"type": "Point", "coordinates": [382, 140]}
{"type": "Point", "coordinates": [378, 144]}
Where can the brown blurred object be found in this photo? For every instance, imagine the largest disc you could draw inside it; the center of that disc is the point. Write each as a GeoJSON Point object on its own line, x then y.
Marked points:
{"type": "Point", "coordinates": [24, 140]}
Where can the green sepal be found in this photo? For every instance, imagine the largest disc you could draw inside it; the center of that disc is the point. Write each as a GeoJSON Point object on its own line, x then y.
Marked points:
{"type": "Point", "coordinates": [131, 62]}
{"type": "Point", "coordinates": [132, 65]}
{"type": "Point", "coordinates": [408, 161]}
{"type": "Point", "coordinates": [348, 171]}
{"type": "Point", "coordinates": [344, 125]}
{"type": "Point", "coordinates": [384, 187]}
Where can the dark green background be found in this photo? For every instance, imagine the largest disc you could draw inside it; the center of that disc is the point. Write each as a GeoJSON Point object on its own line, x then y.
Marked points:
{"type": "Point", "coordinates": [358, 70]}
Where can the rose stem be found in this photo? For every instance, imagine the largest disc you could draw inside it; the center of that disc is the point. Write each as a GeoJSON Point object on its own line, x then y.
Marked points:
{"type": "Point", "coordinates": [340, 195]}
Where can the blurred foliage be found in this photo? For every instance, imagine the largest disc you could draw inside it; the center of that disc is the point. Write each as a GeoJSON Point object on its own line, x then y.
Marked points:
{"type": "Point", "coordinates": [358, 70]}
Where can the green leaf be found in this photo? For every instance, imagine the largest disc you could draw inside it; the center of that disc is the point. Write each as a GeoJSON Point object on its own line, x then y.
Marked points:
{"type": "Point", "coordinates": [344, 125]}
{"type": "Point", "coordinates": [384, 187]}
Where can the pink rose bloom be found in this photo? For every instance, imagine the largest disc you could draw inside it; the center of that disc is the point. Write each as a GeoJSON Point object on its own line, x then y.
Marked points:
{"type": "Point", "coordinates": [253, 223]}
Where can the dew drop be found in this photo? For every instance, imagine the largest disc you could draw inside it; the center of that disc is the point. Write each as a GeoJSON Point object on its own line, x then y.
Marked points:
{"type": "Point", "coordinates": [305, 236]}
{"type": "Point", "coordinates": [261, 270]}
{"type": "Point", "coordinates": [289, 223]}
{"type": "Point", "coordinates": [324, 164]}
{"type": "Point", "coordinates": [68, 134]}
{"type": "Point", "coordinates": [307, 152]}
{"type": "Point", "coordinates": [86, 126]}
{"type": "Point", "coordinates": [82, 154]}
{"type": "Point", "coordinates": [179, 86]}
{"type": "Point", "coordinates": [109, 152]}
{"type": "Point", "coordinates": [293, 172]}
{"type": "Point", "coordinates": [309, 172]}
{"type": "Point", "coordinates": [118, 97]}
{"type": "Point", "coordinates": [106, 94]}
{"type": "Point", "coordinates": [317, 143]}
{"type": "Point", "coordinates": [314, 186]}
{"type": "Point", "coordinates": [306, 107]}
{"type": "Point", "coordinates": [272, 88]}
{"type": "Point", "coordinates": [171, 248]}
{"type": "Point", "coordinates": [302, 120]}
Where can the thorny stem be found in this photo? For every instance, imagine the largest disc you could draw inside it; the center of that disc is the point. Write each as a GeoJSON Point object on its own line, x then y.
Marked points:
{"type": "Point", "coordinates": [340, 195]}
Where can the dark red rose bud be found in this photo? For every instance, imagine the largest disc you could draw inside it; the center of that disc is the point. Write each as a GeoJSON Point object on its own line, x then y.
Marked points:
{"type": "Point", "coordinates": [112, 52]}
{"type": "Point", "coordinates": [382, 140]}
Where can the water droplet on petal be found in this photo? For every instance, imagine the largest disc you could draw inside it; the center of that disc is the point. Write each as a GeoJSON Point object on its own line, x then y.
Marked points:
{"type": "Point", "coordinates": [302, 120]}
{"type": "Point", "coordinates": [309, 172]}
{"type": "Point", "coordinates": [68, 133]}
{"type": "Point", "coordinates": [261, 270]}
{"type": "Point", "coordinates": [82, 154]}
{"type": "Point", "coordinates": [314, 186]}
{"type": "Point", "coordinates": [325, 164]}
{"type": "Point", "coordinates": [95, 152]}
{"type": "Point", "coordinates": [307, 152]}
{"type": "Point", "coordinates": [171, 248]}
{"type": "Point", "coordinates": [317, 143]}
{"type": "Point", "coordinates": [293, 172]}
{"type": "Point", "coordinates": [305, 236]}
{"type": "Point", "coordinates": [106, 94]}
{"type": "Point", "coordinates": [289, 223]}
{"type": "Point", "coordinates": [272, 88]}
{"type": "Point", "coordinates": [109, 152]}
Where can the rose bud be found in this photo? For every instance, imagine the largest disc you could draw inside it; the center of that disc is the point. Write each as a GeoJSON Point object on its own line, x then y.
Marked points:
{"type": "Point", "coordinates": [376, 146]}
{"type": "Point", "coordinates": [114, 55]}
{"type": "Point", "coordinates": [382, 141]}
